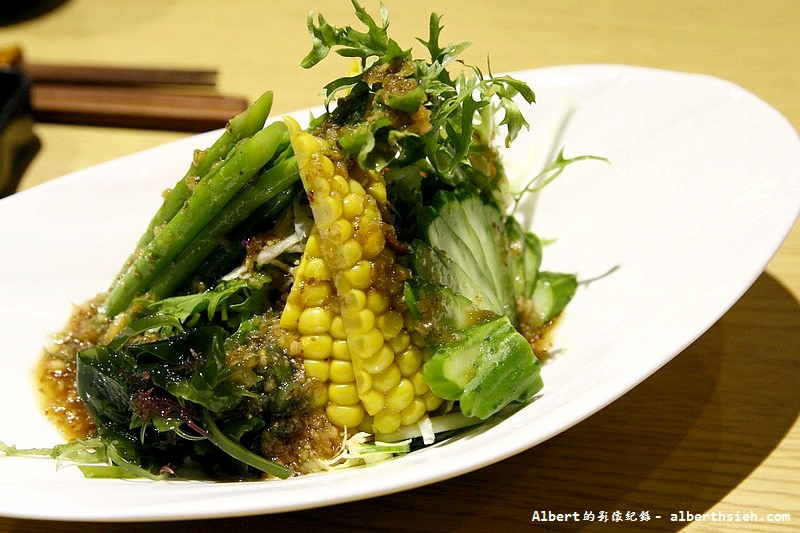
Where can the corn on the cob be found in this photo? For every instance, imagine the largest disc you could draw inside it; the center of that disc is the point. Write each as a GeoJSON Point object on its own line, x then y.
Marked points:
{"type": "Point", "coordinates": [346, 301]}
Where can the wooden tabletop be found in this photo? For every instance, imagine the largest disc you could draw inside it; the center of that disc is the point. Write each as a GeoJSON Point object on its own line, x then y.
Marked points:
{"type": "Point", "coordinates": [714, 431]}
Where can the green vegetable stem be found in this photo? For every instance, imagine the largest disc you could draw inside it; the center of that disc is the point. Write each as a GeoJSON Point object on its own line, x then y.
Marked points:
{"type": "Point", "coordinates": [243, 125]}
{"type": "Point", "coordinates": [208, 199]}
{"type": "Point", "coordinates": [268, 185]}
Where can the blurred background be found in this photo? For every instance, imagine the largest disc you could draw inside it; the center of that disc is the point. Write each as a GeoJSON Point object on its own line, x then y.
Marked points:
{"type": "Point", "coordinates": [257, 44]}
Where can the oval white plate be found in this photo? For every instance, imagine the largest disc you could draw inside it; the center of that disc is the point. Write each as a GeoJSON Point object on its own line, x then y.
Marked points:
{"type": "Point", "coordinates": [703, 186]}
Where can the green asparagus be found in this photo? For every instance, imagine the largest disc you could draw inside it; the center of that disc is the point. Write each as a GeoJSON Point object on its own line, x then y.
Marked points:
{"type": "Point", "coordinates": [208, 199]}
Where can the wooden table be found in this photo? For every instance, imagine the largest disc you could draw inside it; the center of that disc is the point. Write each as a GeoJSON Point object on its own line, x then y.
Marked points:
{"type": "Point", "coordinates": [714, 431]}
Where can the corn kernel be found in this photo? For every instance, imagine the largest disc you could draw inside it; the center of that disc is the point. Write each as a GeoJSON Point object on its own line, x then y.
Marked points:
{"type": "Point", "coordinates": [349, 416]}
{"type": "Point", "coordinates": [364, 382]}
{"type": "Point", "coordinates": [356, 188]}
{"type": "Point", "coordinates": [420, 385]}
{"type": "Point", "coordinates": [413, 412]}
{"type": "Point", "coordinates": [326, 165]}
{"type": "Point", "coordinates": [315, 294]}
{"type": "Point", "coordinates": [317, 369]}
{"type": "Point", "coordinates": [353, 301]}
{"type": "Point", "coordinates": [373, 402]}
{"type": "Point", "coordinates": [313, 249]}
{"type": "Point", "coordinates": [299, 272]}
{"type": "Point", "coordinates": [409, 360]}
{"type": "Point", "coordinates": [373, 245]}
{"type": "Point", "coordinates": [400, 342]}
{"type": "Point", "coordinates": [289, 317]}
{"type": "Point", "coordinates": [360, 275]}
{"type": "Point", "coordinates": [386, 380]}
{"type": "Point", "coordinates": [316, 346]}
{"type": "Point", "coordinates": [401, 396]}
{"type": "Point", "coordinates": [431, 401]}
{"type": "Point", "coordinates": [378, 191]}
{"type": "Point", "coordinates": [338, 231]}
{"type": "Point", "coordinates": [340, 351]}
{"type": "Point", "coordinates": [342, 371]}
{"type": "Point", "coordinates": [308, 143]}
{"type": "Point", "coordinates": [390, 324]}
{"type": "Point", "coordinates": [370, 221]}
{"type": "Point", "coordinates": [383, 357]}
{"type": "Point", "coordinates": [350, 252]}
{"type": "Point", "coordinates": [359, 323]}
{"type": "Point", "coordinates": [337, 330]}
{"type": "Point", "coordinates": [343, 393]}
{"type": "Point", "coordinates": [377, 302]}
{"type": "Point", "coordinates": [340, 184]}
{"type": "Point", "coordinates": [314, 320]}
{"type": "Point", "coordinates": [365, 345]}
{"type": "Point", "coordinates": [387, 421]}
{"type": "Point", "coordinates": [352, 205]}
{"type": "Point", "coordinates": [303, 145]}
{"type": "Point", "coordinates": [316, 269]}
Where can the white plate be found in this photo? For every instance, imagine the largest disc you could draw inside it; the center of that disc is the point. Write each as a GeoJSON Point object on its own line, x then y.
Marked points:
{"type": "Point", "coordinates": [703, 187]}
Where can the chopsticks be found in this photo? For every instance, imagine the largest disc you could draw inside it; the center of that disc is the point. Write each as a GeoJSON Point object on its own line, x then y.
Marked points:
{"type": "Point", "coordinates": [132, 107]}
{"type": "Point", "coordinates": [129, 97]}
{"type": "Point", "coordinates": [102, 75]}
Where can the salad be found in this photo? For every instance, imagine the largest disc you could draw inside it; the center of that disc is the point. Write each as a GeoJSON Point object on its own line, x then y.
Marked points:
{"type": "Point", "coordinates": [320, 297]}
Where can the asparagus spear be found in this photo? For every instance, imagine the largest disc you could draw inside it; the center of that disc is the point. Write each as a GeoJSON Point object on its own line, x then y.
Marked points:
{"type": "Point", "coordinates": [239, 127]}
{"type": "Point", "coordinates": [209, 198]}
{"type": "Point", "coordinates": [270, 183]}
